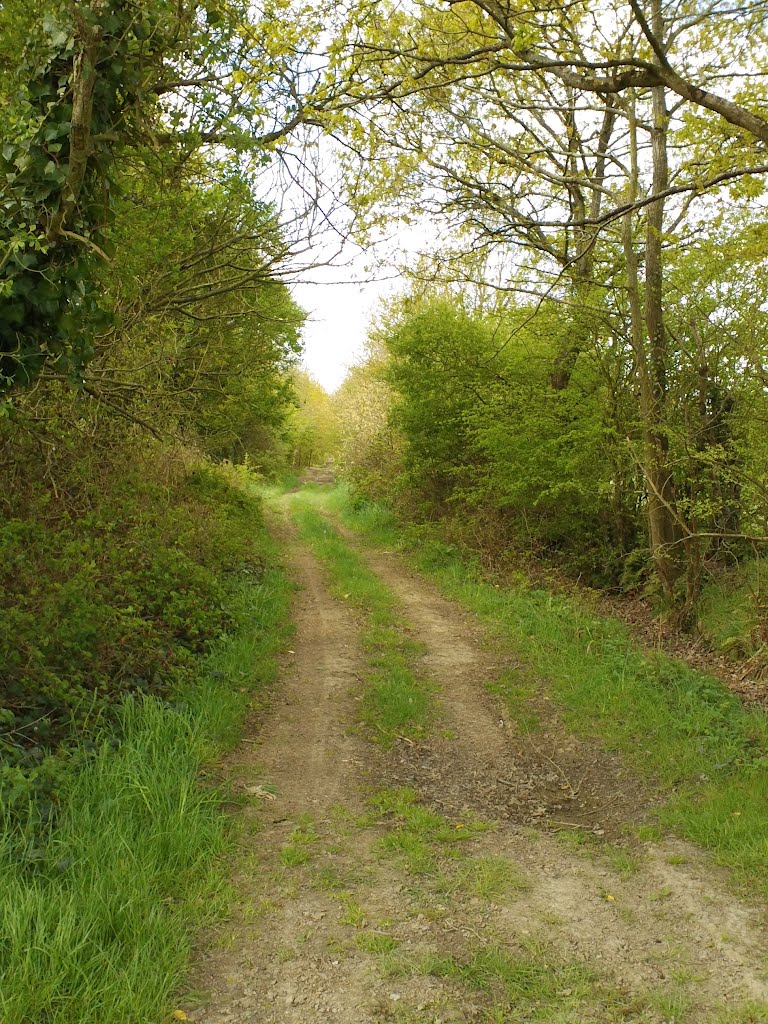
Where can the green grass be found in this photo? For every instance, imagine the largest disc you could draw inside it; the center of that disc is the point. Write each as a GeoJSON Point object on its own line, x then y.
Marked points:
{"type": "Point", "coordinates": [749, 1013]}
{"type": "Point", "coordinates": [530, 983]}
{"type": "Point", "coordinates": [429, 846]}
{"type": "Point", "coordinates": [396, 701]}
{"type": "Point", "coordinates": [377, 943]}
{"type": "Point", "coordinates": [672, 1003]}
{"type": "Point", "coordinates": [517, 692]}
{"type": "Point", "coordinates": [299, 848]}
{"type": "Point", "coordinates": [354, 915]}
{"type": "Point", "coordinates": [98, 910]}
{"type": "Point", "coordinates": [732, 610]}
{"type": "Point", "coordinates": [491, 879]}
{"type": "Point", "coordinates": [680, 728]}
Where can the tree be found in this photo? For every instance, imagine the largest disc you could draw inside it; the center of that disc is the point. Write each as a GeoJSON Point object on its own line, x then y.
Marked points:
{"type": "Point", "coordinates": [312, 425]}
{"type": "Point", "coordinates": [542, 130]}
{"type": "Point", "coordinates": [95, 81]}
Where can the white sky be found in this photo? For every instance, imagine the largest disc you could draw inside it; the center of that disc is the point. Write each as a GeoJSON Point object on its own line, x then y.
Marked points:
{"type": "Point", "coordinates": [334, 335]}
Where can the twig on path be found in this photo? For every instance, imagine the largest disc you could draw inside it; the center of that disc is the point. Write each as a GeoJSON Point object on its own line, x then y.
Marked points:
{"type": "Point", "coordinates": [556, 766]}
{"type": "Point", "coordinates": [397, 736]}
{"type": "Point", "coordinates": [464, 929]}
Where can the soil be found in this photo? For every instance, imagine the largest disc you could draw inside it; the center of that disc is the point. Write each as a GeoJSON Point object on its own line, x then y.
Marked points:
{"type": "Point", "coordinates": [320, 901]}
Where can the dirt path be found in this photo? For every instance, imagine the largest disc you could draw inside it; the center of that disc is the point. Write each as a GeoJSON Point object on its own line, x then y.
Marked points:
{"type": "Point", "coordinates": [674, 917]}
{"type": "Point", "coordinates": [347, 915]}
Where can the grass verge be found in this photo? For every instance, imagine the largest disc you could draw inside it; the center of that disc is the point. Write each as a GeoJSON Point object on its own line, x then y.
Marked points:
{"type": "Point", "coordinates": [396, 702]}
{"type": "Point", "coordinates": [99, 908]}
{"type": "Point", "coordinates": [679, 727]}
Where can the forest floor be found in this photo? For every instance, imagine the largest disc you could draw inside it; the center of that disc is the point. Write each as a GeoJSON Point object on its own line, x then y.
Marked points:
{"type": "Point", "coordinates": [467, 869]}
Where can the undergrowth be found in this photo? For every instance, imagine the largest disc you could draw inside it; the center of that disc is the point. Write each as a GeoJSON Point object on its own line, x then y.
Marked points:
{"type": "Point", "coordinates": [396, 702]}
{"type": "Point", "coordinates": [679, 727]}
{"type": "Point", "coordinates": [102, 890]}
{"type": "Point", "coordinates": [732, 611]}
{"type": "Point", "coordinates": [122, 596]}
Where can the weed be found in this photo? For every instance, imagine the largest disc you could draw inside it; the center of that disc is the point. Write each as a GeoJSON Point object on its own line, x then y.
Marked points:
{"type": "Point", "coordinates": [572, 839]}
{"type": "Point", "coordinates": [293, 856]}
{"type": "Point", "coordinates": [299, 848]}
{"type": "Point", "coordinates": [748, 1013]}
{"type": "Point", "coordinates": [487, 878]}
{"type": "Point", "coordinates": [648, 833]}
{"type": "Point", "coordinates": [620, 859]}
{"type": "Point", "coordinates": [330, 878]}
{"type": "Point", "coordinates": [353, 915]}
{"type": "Point", "coordinates": [377, 943]}
{"type": "Point", "coordinates": [516, 692]}
{"type": "Point", "coordinates": [528, 983]}
{"type": "Point", "coordinates": [673, 1004]}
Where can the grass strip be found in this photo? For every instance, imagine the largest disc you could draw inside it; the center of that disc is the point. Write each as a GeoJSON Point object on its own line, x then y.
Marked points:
{"type": "Point", "coordinates": [99, 909]}
{"type": "Point", "coordinates": [677, 726]}
{"type": "Point", "coordinates": [396, 702]}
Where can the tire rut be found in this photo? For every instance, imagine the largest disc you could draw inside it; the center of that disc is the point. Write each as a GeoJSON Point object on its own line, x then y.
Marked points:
{"type": "Point", "coordinates": [307, 753]}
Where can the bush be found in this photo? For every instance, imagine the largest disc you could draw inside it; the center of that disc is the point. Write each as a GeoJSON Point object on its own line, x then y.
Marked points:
{"type": "Point", "coordinates": [118, 599]}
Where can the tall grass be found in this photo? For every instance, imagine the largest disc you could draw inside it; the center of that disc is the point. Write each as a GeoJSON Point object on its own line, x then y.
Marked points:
{"type": "Point", "coordinates": [679, 727]}
{"type": "Point", "coordinates": [98, 910]}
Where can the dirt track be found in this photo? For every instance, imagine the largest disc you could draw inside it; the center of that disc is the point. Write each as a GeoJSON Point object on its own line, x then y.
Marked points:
{"type": "Point", "coordinates": [329, 927]}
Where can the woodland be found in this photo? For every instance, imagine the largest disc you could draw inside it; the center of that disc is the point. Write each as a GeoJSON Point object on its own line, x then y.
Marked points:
{"type": "Point", "coordinates": [573, 370]}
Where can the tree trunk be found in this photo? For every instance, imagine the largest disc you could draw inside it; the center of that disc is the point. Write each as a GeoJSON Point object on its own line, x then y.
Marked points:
{"type": "Point", "coordinates": [651, 359]}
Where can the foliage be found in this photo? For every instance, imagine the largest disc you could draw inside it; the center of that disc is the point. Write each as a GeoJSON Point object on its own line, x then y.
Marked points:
{"type": "Point", "coordinates": [312, 427]}
{"type": "Point", "coordinates": [556, 163]}
{"type": "Point", "coordinates": [208, 332]}
{"type": "Point", "coordinates": [149, 326]}
{"type": "Point", "coordinates": [368, 447]}
{"type": "Point", "coordinates": [88, 86]}
{"type": "Point", "coordinates": [118, 592]}
{"type": "Point", "coordinates": [474, 431]}
{"type": "Point", "coordinates": [70, 92]}
{"type": "Point", "coordinates": [483, 440]}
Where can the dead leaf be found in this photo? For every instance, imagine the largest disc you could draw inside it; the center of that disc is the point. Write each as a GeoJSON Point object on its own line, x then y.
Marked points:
{"type": "Point", "coordinates": [260, 791]}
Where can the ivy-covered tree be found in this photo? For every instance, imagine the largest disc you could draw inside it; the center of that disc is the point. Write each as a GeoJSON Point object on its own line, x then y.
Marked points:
{"type": "Point", "coordinates": [88, 83]}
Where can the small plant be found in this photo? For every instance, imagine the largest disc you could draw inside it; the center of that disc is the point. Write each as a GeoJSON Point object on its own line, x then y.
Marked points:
{"type": "Point", "coordinates": [486, 878]}
{"type": "Point", "coordinates": [377, 943]}
{"type": "Point", "coordinates": [673, 1004]}
{"type": "Point", "coordinates": [424, 840]}
{"type": "Point", "coordinates": [299, 848]}
{"type": "Point", "coordinates": [353, 915]}
{"type": "Point", "coordinates": [620, 859]}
